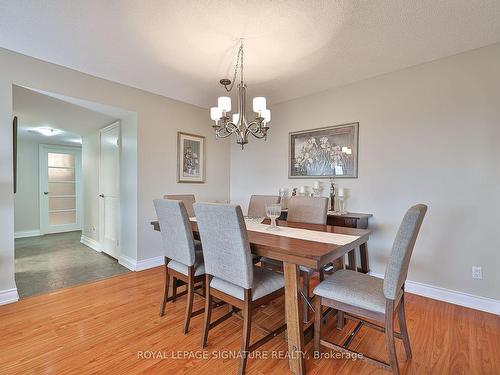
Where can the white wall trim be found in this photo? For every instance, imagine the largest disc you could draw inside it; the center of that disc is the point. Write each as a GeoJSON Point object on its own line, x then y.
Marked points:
{"type": "Point", "coordinates": [90, 242]}
{"type": "Point", "coordinates": [27, 233]}
{"type": "Point", "coordinates": [486, 304]}
{"type": "Point", "coordinates": [8, 296]}
{"type": "Point", "coordinates": [140, 265]}
{"type": "Point", "coordinates": [150, 263]}
{"type": "Point", "coordinates": [127, 262]}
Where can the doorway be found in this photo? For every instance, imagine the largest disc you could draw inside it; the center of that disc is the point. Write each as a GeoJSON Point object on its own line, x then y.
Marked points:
{"type": "Point", "coordinates": [67, 203]}
{"type": "Point", "coordinates": [60, 189]}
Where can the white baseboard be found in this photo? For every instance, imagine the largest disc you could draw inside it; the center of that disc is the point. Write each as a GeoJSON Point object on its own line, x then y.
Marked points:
{"type": "Point", "coordinates": [8, 296]}
{"type": "Point", "coordinates": [127, 262]}
{"type": "Point", "coordinates": [93, 244]}
{"type": "Point", "coordinates": [150, 263]}
{"type": "Point", "coordinates": [140, 265]}
{"type": "Point", "coordinates": [451, 296]}
{"type": "Point", "coordinates": [27, 233]}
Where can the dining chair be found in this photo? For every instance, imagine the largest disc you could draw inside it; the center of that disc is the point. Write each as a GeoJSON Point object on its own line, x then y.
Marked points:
{"type": "Point", "coordinates": [311, 210]}
{"type": "Point", "coordinates": [187, 199]}
{"type": "Point", "coordinates": [230, 274]}
{"type": "Point", "coordinates": [360, 296]}
{"type": "Point", "coordinates": [258, 203]}
{"type": "Point", "coordinates": [183, 257]}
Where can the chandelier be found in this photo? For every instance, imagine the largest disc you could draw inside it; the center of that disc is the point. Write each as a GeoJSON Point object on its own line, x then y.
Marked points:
{"type": "Point", "coordinates": [237, 124]}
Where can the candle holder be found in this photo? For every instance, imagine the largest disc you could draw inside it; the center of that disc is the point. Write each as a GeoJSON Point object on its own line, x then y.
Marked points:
{"type": "Point", "coordinates": [283, 197]}
{"type": "Point", "coordinates": [341, 205]}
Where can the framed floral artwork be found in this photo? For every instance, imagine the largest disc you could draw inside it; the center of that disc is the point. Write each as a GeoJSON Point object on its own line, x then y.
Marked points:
{"type": "Point", "coordinates": [190, 158]}
{"type": "Point", "coordinates": [324, 153]}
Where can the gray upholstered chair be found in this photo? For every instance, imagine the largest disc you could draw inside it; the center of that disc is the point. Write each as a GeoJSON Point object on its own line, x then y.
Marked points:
{"type": "Point", "coordinates": [258, 203]}
{"type": "Point", "coordinates": [310, 210]}
{"type": "Point", "coordinates": [187, 199]}
{"type": "Point", "coordinates": [360, 296]}
{"type": "Point", "coordinates": [230, 274]}
{"type": "Point", "coordinates": [183, 258]}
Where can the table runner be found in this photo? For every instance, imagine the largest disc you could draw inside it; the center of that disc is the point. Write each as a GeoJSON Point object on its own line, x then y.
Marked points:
{"type": "Point", "coordinates": [299, 233]}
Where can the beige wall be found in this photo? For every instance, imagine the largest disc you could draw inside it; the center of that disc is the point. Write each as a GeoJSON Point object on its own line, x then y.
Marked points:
{"type": "Point", "coordinates": [158, 118]}
{"type": "Point", "coordinates": [26, 200]}
{"type": "Point", "coordinates": [428, 134]}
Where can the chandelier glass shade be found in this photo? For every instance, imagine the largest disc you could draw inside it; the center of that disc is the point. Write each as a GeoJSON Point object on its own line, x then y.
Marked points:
{"type": "Point", "coordinates": [237, 123]}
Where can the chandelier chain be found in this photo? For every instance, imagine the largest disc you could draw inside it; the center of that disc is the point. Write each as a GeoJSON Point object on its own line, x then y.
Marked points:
{"type": "Point", "coordinates": [239, 63]}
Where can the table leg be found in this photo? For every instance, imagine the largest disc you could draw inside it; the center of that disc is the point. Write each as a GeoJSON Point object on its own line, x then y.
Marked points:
{"type": "Point", "coordinates": [293, 312]}
{"type": "Point", "coordinates": [352, 260]}
{"type": "Point", "coordinates": [363, 255]}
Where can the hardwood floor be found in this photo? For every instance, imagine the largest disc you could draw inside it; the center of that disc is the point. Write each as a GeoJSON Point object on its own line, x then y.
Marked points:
{"type": "Point", "coordinates": [113, 326]}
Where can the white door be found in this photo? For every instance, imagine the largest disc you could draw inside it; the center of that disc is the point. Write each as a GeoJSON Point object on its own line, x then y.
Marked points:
{"type": "Point", "coordinates": [109, 188]}
{"type": "Point", "coordinates": [59, 175]}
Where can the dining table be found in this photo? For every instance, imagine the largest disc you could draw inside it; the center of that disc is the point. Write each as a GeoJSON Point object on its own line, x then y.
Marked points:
{"type": "Point", "coordinates": [298, 244]}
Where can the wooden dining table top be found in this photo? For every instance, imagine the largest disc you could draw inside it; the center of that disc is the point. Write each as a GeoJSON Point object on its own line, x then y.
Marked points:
{"type": "Point", "coordinates": [302, 252]}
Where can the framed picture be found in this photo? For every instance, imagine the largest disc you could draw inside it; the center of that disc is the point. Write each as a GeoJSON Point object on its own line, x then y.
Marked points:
{"type": "Point", "coordinates": [324, 153]}
{"type": "Point", "coordinates": [190, 158]}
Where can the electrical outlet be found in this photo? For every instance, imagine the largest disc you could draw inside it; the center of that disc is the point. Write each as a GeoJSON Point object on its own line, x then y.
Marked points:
{"type": "Point", "coordinates": [477, 272]}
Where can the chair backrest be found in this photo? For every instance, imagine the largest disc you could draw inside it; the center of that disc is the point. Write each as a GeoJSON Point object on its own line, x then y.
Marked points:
{"type": "Point", "coordinates": [176, 232]}
{"type": "Point", "coordinates": [187, 199]}
{"type": "Point", "coordinates": [397, 267]}
{"type": "Point", "coordinates": [312, 210]}
{"type": "Point", "coordinates": [226, 251]}
{"type": "Point", "coordinates": [258, 203]}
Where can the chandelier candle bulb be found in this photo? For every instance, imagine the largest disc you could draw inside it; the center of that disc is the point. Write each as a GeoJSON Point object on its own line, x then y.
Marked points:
{"type": "Point", "coordinates": [259, 104]}
{"type": "Point", "coordinates": [215, 113]}
{"type": "Point", "coordinates": [224, 103]}
{"type": "Point", "coordinates": [266, 114]}
{"type": "Point", "coordinates": [236, 118]}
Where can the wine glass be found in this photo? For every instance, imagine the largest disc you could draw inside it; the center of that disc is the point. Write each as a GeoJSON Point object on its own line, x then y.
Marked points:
{"type": "Point", "coordinates": [273, 211]}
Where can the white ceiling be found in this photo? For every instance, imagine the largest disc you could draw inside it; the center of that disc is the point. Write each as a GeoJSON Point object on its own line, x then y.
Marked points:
{"type": "Point", "coordinates": [35, 110]}
{"type": "Point", "coordinates": [181, 49]}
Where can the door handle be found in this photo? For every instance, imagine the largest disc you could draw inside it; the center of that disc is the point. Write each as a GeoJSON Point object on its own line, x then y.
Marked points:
{"type": "Point", "coordinates": [101, 195]}
{"type": "Point", "coordinates": [46, 193]}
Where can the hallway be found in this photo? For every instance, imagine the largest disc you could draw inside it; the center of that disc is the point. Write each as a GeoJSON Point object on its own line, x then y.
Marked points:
{"type": "Point", "coordinates": [54, 261]}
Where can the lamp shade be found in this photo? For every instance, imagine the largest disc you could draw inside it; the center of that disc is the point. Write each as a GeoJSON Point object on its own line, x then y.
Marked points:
{"type": "Point", "coordinates": [236, 118]}
{"type": "Point", "coordinates": [224, 103]}
{"type": "Point", "coordinates": [215, 113]}
{"type": "Point", "coordinates": [259, 104]}
{"type": "Point", "coordinates": [266, 113]}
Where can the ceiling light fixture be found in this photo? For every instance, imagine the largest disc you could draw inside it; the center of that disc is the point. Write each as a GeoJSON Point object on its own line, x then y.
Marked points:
{"type": "Point", "coordinates": [48, 132]}
{"type": "Point", "coordinates": [237, 124]}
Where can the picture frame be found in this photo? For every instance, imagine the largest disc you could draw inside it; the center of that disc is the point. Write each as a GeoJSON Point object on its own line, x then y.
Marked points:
{"type": "Point", "coordinates": [191, 151]}
{"type": "Point", "coordinates": [327, 152]}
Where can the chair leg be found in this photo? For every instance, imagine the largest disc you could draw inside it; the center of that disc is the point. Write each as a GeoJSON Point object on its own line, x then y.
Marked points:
{"type": "Point", "coordinates": [174, 289]}
{"type": "Point", "coordinates": [247, 325]}
{"type": "Point", "coordinates": [389, 335]}
{"type": "Point", "coordinates": [305, 290]}
{"type": "Point", "coordinates": [190, 297]}
{"type": "Point", "coordinates": [340, 320]}
{"type": "Point", "coordinates": [317, 325]}
{"type": "Point", "coordinates": [165, 289]}
{"type": "Point", "coordinates": [403, 328]}
{"type": "Point", "coordinates": [208, 312]}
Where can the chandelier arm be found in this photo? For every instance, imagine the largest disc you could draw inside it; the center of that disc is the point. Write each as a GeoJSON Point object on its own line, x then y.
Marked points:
{"type": "Point", "coordinates": [227, 130]}
{"type": "Point", "coordinates": [252, 124]}
{"type": "Point", "coordinates": [258, 135]}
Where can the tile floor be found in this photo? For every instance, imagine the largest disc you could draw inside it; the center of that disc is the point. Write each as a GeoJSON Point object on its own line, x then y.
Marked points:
{"type": "Point", "coordinates": [55, 261]}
